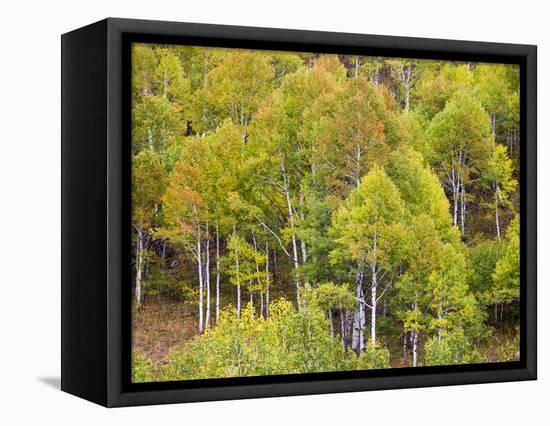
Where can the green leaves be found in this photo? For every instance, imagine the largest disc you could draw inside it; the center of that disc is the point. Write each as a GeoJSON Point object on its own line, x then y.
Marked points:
{"type": "Point", "coordinates": [506, 277]}
{"type": "Point", "coordinates": [149, 178]}
{"type": "Point", "coordinates": [287, 342]}
{"type": "Point", "coordinates": [233, 89]}
{"type": "Point", "coordinates": [368, 227]}
{"type": "Point", "coordinates": [452, 348]}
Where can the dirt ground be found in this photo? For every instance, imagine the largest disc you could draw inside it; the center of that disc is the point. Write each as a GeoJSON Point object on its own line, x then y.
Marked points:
{"type": "Point", "coordinates": [157, 328]}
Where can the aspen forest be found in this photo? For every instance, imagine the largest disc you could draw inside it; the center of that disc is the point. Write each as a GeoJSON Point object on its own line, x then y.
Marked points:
{"type": "Point", "coordinates": [302, 212]}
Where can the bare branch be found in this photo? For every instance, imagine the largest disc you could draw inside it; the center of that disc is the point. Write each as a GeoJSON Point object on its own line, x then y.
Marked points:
{"type": "Point", "coordinates": [267, 228]}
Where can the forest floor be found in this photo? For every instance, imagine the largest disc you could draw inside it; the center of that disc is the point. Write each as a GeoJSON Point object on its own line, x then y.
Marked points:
{"type": "Point", "coordinates": [159, 327]}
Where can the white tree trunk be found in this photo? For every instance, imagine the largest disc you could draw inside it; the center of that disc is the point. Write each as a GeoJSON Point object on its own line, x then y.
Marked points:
{"type": "Point", "coordinates": [358, 336]}
{"type": "Point", "coordinates": [291, 219]}
{"type": "Point", "coordinates": [355, 332]}
{"type": "Point", "coordinates": [374, 287]}
{"type": "Point", "coordinates": [462, 206]}
{"type": "Point", "coordinates": [454, 186]}
{"type": "Point", "coordinates": [217, 273]}
{"type": "Point", "coordinates": [238, 278]}
{"type": "Point", "coordinates": [303, 244]}
{"type": "Point", "coordinates": [266, 279]}
{"type": "Point", "coordinates": [343, 327]}
{"type": "Point", "coordinates": [406, 78]}
{"type": "Point", "coordinates": [207, 270]}
{"type": "Point", "coordinates": [415, 331]}
{"type": "Point", "coordinates": [258, 280]}
{"type": "Point", "coordinates": [373, 292]}
{"type": "Point", "coordinates": [150, 139]}
{"type": "Point", "coordinates": [461, 190]}
{"type": "Point", "coordinates": [497, 221]}
{"type": "Point", "coordinates": [139, 265]}
{"type": "Point", "coordinates": [415, 351]}
{"type": "Point", "coordinates": [201, 282]}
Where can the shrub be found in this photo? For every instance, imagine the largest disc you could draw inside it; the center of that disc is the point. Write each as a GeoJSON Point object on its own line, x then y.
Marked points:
{"type": "Point", "coordinates": [373, 357]}
{"type": "Point", "coordinates": [452, 348]}
{"type": "Point", "coordinates": [141, 368]}
{"type": "Point", "coordinates": [508, 348]}
{"type": "Point", "coordinates": [287, 342]}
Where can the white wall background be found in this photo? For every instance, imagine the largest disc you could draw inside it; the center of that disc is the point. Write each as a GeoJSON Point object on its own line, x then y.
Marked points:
{"type": "Point", "coordinates": [30, 211]}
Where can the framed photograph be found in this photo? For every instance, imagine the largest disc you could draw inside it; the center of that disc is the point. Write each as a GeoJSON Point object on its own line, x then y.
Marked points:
{"type": "Point", "coordinates": [254, 212]}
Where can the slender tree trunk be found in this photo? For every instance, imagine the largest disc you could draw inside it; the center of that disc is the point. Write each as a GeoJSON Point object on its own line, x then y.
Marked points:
{"type": "Point", "coordinates": [439, 316]}
{"type": "Point", "coordinates": [331, 323]}
{"type": "Point", "coordinates": [139, 265]}
{"type": "Point", "coordinates": [163, 257]}
{"type": "Point", "coordinates": [343, 327]}
{"type": "Point", "coordinates": [405, 351]}
{"type": "Point", "coordinates": [358, 336]}
{"type": "Point", "coordinates": [454, 186]}
{"type": "Point", "coordinates": [374, 288]}
{"type": "Point", "coordinates": [150, 139]}
{"type": "Point", "coordinates": [291, 218]}
{"type": "Point", "coordinates": [238, 276]}
{"type": "Point", "coordinates": [415, 350]}
{"type": "Point", "coordinates": [207, 270]}
{"type": "Point", "coordinates": [262, 304]}
{"type": "Point", "coordinates": [303, 244]}
{"type": "Point", "coordinates": [238, 297]}
{"type": "Point", "coordinates": [462, 206]}
{"type": "Point", "coordinates": [266, 279]}
{"type": "Point", "coordinates": [373, 293]}
{"type": "Point", "coordinates": [497, 221]}
{"type": "Point", "coordinates": [462, 191]}
{"type": "Point", "coordinates": [415, 331]}
{"type": "Point", "coordinates": [407, 97]}
{"type": "Point", "coordinates": [258, 280]}
{"type": "Point", "coordinates": [217, 273]}
{"type": "Point", "coordinates": [201, 282]}
{"type": "Point", "coordinates": [408, 88]}
{"type": "Point", "coordinates": [355, 331]}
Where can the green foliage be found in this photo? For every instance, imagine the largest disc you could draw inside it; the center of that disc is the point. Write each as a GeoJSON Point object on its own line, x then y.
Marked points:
{"type": "Point", "coordinates": [287, 342]}
{"type": "Point", "coordinates": [462, 128]}
{"type": "Point", "coordinates": [141, 368]}
{"type": "Point", "coordinates": [435, 92]}
{"type": "Point", "coordinates": [245, 265]}
{"type": "Point", "coordinates": [508, 347]}
{"type": "Point", "coordinates": [452, 348]}
{"type": "Point", "coordinates": [483, 258]}
{"type": "Point", "coordinates": [369, 226]}
{"type": "Point", "coordinates": [374, 357]}
{"type": "Point", "coordinates": [234, 89]}
{"type": "Point", "coordinates": [148, 184]}
{"type": "Point", "coordinates": [419, 187]}
{"type": "Point", "coordinates": [333, 296]}
{"type": "Point", "coordinates": [506, 277]}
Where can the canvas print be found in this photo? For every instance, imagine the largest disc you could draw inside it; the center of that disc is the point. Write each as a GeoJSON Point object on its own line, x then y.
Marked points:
{"type": "Point", "coordinates": [301, 212]}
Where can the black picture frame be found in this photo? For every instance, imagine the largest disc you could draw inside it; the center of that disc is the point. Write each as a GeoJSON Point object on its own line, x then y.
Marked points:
{"type": "Point", "coordinates": [95, 218]}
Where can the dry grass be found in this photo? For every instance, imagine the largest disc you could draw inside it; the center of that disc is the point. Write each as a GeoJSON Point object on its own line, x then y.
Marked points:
{"type": "Point", "coordinates": [502, 346]}
{"type": "Point", "coordinates": [157, 328]}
